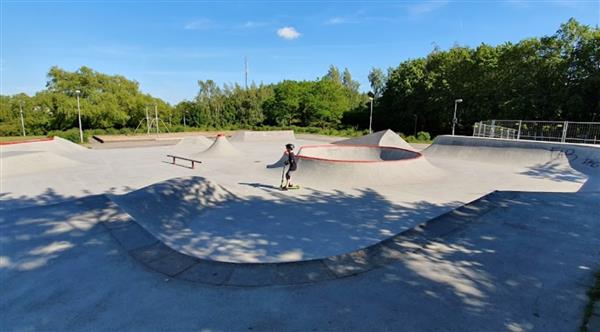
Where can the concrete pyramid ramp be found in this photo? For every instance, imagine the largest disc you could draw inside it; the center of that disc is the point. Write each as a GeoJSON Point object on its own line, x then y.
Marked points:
{"type": "Point", "coordinates": [380, 138]}
{"type": "Point", "coordinates": [194, 141]}
{"type": "Point", "coordinates": [27, 162]}
{"type": "Point", "coordinates": [261, 136]}
{"type": "Point", "coordinates": [220, 148]}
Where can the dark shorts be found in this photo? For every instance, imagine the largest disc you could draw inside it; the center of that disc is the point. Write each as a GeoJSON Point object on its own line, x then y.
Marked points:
{"type": "Point", "coordinates": [291, 169]}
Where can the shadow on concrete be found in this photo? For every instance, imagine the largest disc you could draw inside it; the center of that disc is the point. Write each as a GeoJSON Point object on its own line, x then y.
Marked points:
{"type": "Point", "coordinates": [525, 264]}
{"type": "Point", "coordinates": [519, 262]}
{"type": "Point", "coordinates": [554, 171]}
{"type": "Point", "coordinates": [204, 220]}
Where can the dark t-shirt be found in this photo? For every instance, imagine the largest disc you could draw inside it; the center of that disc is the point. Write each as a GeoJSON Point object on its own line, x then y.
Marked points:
{"type": "Point", "coordinates": [292, 161]}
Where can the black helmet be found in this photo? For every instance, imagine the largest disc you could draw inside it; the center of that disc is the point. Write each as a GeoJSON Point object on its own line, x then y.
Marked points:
{"type": "Point", "coordinates": [289, 146]}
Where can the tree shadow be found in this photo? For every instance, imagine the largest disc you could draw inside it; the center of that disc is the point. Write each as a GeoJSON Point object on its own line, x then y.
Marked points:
{"type": "Point", "coordinates": [525, 264]}
{"type": "Point", "coordinates": [554, 171]}
{"type": "Point", "coordinates": [204, 220]}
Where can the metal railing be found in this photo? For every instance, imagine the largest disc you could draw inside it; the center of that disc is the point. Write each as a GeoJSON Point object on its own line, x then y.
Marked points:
{"type": "Point", "coordinates": [555, 131]}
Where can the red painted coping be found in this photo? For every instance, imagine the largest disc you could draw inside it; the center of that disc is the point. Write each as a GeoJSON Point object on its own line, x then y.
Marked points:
{"type": "Point", "coordinates": [300, 156]}
{"type": "Point", "coordinates": [28, 141]}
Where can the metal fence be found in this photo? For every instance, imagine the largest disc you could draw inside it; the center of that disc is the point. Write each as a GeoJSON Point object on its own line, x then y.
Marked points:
{"type": "Point", "coordinates": [484, 130]}
{"type": "Point", "coordinates": [556, 131]}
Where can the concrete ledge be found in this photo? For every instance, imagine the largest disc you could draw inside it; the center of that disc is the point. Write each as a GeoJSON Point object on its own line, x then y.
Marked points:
{"type": "Point", "coordinates": [152, 253]}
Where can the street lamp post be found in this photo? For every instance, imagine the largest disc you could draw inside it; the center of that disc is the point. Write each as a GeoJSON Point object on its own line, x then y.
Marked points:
{"type": "Point", "coordinates": [77, 92]}
{"type": "Point", "coordinates": [22, 121]}
{"type": "Point", "coordinates": [454, 119]}
{"type": "Point", "coordinates": [371, 97]}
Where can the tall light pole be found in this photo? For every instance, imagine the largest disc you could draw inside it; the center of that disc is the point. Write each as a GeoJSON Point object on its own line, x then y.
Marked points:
{"type": "Point", "coordinates": [22, 121]}
{"type": "Point", "coordinates": [77, 92]}
{"type": "Point", "coordinates": [147, 122]}
{"type": "Point", "coordinates": [156, 117]}
{"type": "Point", "coordinates": [454, 119]}
{"type": "Point", "coordinates": [371, 97]}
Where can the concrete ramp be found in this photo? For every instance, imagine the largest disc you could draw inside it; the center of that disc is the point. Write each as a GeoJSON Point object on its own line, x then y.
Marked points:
{"type": "Point", "coordinates": [362, 166]}
{"type": "Point", "coordinates": [167, 206]}
{"type": "Point", "coordinates": [541, 159]}
{"type": "Point", "coordinates": [26, 162]}
{"type": "Point", "coordinates": [67, 146]}
{"type": "Point", "coordinates": [219, 148]}
{"type": "Point", "coordinates": [380, 138]}
{"type": "Point", "coordinates": [261, 136]}
{"type": "Point", "coordinates": [55, 145]}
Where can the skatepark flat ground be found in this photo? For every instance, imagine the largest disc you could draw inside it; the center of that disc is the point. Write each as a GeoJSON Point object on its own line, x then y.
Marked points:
{"type": "Point", "coordinates": [522, 263]}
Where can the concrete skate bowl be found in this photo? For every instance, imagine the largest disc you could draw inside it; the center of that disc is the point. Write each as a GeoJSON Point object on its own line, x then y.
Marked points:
{"type": "Point", "coordinates": [555, 161]}
{"type": "Point", "coordinates": [170, 228]}
{"type": "Point", "coordinates": [362, 165]}
{"type": "Point", "coordinates": [193, 229]}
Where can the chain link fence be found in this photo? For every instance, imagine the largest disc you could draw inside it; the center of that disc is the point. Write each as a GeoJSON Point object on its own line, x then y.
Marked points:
{"type": "Point", "coordinates": [555, 131]}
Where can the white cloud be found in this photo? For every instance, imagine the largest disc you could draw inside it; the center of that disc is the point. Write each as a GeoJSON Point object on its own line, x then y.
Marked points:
{"type": "Point", "coordinates": [426, 7]}
{"type": "Point", "coordinates": [200, 24]}
{"type": "Point", "coordinates": [254, 24]}
{"type": "Point", "coordinates": [288, 33]}
{"type": "Point", "coordinates": [338, 20]}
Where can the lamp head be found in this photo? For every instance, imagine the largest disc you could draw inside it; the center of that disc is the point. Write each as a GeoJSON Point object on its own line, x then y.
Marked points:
{"type": "Point", "coordinates": [459, 100]}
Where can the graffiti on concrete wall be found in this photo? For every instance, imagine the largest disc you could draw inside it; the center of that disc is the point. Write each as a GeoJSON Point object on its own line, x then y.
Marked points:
{"type": "Point", "coordinates": [571, 155]}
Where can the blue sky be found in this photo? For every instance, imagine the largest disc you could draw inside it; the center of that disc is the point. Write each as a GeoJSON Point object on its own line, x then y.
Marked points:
{"type": "Point", "coordinates": [168, 45]}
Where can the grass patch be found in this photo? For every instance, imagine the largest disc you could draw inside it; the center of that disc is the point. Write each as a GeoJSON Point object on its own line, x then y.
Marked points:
{"type": "Point", "coordinates": [594, 295]}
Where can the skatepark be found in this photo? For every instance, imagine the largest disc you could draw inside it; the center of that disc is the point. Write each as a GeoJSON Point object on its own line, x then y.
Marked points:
{"type": "Point", "coordinates": [467, 234]}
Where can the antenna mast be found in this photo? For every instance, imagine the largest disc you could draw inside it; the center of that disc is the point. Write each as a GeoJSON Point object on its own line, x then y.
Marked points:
{"type": "Point", "coordinates": [246, 72]}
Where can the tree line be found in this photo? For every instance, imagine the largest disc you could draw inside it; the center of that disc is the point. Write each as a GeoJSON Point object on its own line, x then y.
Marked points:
{"type": "Point", "coordinates": [554, 77]}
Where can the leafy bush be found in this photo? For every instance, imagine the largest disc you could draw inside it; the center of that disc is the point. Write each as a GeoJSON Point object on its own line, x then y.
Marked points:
{"type": "Point", "coordinates": [71, 134]}
{"type": "Point", "coordinates": [423, 136]}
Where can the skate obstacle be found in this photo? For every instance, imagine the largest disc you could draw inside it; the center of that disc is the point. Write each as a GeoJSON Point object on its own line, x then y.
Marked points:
{"type": "Point", "coordinates": [261, 136]}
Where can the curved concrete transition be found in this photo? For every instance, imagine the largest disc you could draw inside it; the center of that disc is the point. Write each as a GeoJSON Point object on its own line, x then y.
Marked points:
{"type": "Point", "coordinates": [356, 153]}
{"type": "Point", "coordinates": [154, 254]}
